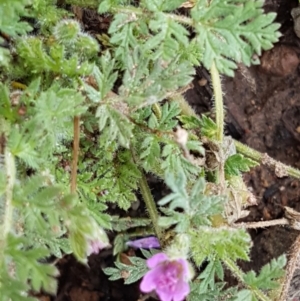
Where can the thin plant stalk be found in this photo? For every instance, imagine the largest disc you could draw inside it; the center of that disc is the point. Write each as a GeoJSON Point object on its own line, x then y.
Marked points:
{"type": "Point", "coordinates": [10, 168]}
{"type": "Point", "coordinates": [149, 201]}
{"type": "Point", "coordinates": [151, 206]}
{"type": "Point", "coordinates": [219, 110]}
{"type": "Point", "coordinates": [219, 106]}
{"type": "Point", "coordinates": [266, 160]}
{"type": "Point", "coordinates": [290, 269]}
{"type": "Point", "coordinates": [262, 224]}
{"type": "Point", "coordinates": [75, 154]}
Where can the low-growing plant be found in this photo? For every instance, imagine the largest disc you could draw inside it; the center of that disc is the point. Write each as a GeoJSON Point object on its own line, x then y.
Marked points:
{"type": "Point", "coordinates": [82, 124]}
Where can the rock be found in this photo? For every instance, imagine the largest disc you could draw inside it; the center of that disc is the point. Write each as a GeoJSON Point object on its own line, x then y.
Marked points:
{"type": "Point", "coordinates": [296, 17]}
{"type": "Point", "coordinates": [279, 61]}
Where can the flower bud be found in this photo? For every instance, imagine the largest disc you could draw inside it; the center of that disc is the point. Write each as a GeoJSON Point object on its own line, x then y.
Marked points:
{"type": "Point", "coordinates": [144, 243]}
{"type": "Point", "coordinates": [67, 31]}
{"type": "Point", "coordinates": [97, 242]}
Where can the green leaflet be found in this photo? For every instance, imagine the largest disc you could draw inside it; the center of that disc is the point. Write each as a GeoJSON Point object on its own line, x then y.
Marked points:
{"type": "Point", "coordinates": [105, 78]}
{"type": "Point", "coordinates": [11, 14]}
{"type": "Point", "coordinates": [130, 273]}
{"type": "Point", "coordinates": [168, 38]}
{"type": "Point", "coordinates": [218, 293]}
{"type": "Point", "coordinates": [116, 124]}
{"type": "Point", "coordinates": [142, 72]}
{"type": "Point", "coordinates": [119, 182]}
{"type": "Point", "coordinates": [236, 164]}
{"type": "Point", "coordinates": [13, 289]}
{"type": "Point", "coordinates": [196, 205]}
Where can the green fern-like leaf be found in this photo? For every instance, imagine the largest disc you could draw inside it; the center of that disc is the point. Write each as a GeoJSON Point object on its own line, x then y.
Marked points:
{"type": "Point", "coordinates": [208, 276]}
{"type": "Point", "coordinates": [237, 163]}
{"type": "Point", "coordinates": [269, 275]}
{"type": "Point", "coordinates": [105, 78]}
{"type": "Point", "coordinates": [198, 207]}
{"type": "Point", "coordinates": [218, 293]}
{"type": "Point", "coordinates": [11, 13]}
{"type": "Point", "coordinates": [120, 180]}
{"type": "Point", "coordinates": [123, 30]}
{"type": "Point", "coordinates": [174, 162]}
{"type": "Point", "coordinates": [56, 245]}
{"type": "Point", "coordinates": [13, 289]}
{"type": "Point", "coordinates": [167, 120]}
{"type": "Point", "coordinates": [168, 38]}
{"type": "Point", "coordinates": [151, 151]}
{"type": "Point", "coordinates": [142, 71]}
{"type": "Point", "coordinates": [27, 264]}
{"type": "Point", "coordinates": [118, 126]}
{"type": "Point", "coordinates": [37, 58]}
{"type": "Point", "coordinates": [41, 202]}
{"type": "Point", "coordinates": [130, 273]}
{"type": "Point", "coordinates": [233, 31]}
{"type": "Point", "coordinates": [225, 243]}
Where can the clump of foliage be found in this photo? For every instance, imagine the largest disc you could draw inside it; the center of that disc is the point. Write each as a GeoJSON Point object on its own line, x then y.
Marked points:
{"type": "Point", "coordinates": [82, 122]}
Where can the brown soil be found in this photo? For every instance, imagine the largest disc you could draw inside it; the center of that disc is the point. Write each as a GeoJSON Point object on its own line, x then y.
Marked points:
{"type": "Point", "coordinates": [263, 111]}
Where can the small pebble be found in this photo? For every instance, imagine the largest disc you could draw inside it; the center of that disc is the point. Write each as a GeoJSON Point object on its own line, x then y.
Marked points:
{"type": "Point", "coordinates": [279, 61]}
{"type": "Point", "coordinates": [202, 82]}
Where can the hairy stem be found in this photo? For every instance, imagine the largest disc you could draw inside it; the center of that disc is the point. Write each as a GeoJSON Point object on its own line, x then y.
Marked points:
{"type": "Point", "coordinates": [266, 160]}
{"type": "Point", "coordinates": [240, 276]}
{"type": "Point", "coordinates": [75, 154]}
{"type": "Point", "coordinates": [149, 201]}
{"type": "Point", "coordinates": [5, 228]}
{"type": "Point", "coordinates": [93, 4]}
{"type": "Point", "coordinates": [263, 224]}
{"type": "Point", "coordinates": [150, 204]}
{"type": "Point", "coordinates": [219, 109]}
{"type": "Point", "coordinates": [290, 269]}
{"type": "Point", "coordinates": [219, 106]}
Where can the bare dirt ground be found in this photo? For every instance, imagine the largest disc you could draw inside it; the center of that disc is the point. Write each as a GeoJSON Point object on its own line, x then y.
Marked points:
{"type": "Point", "coordinates": [263, 111]}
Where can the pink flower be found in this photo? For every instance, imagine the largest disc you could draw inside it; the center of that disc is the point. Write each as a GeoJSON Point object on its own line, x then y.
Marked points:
{"type": "Point", "coordinates": [169, 278]}
{"type": "Point", "coordinates": [144, 243]}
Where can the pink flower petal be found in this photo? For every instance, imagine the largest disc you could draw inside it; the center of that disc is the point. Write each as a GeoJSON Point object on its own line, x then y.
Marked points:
{"type": "Point", "coordinates": [148, 283]}
{"type": "Point", "coordinates": [181, 291]}
{"type": "Point", "coordinates": [156, 260]}
{"type": "Point", "coordinates": [186, 269]}
{"type": "Point", "coordinates": [169, 278]}
{"type": "Point", "coordinates": [164, 296]}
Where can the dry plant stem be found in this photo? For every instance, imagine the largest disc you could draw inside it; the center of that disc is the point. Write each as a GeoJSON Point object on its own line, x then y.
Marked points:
{"type": "Point", "coordinates": [290, 269]}
{"type": "Point", "coordinates": [257, 156]}
{"type": "Point", "coordinates": [75, 154]}
{"type": "Point", "coordinates": [240, 276]}
{"type": "Point", "coordinates": [262, 224]}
